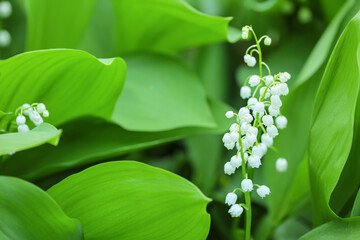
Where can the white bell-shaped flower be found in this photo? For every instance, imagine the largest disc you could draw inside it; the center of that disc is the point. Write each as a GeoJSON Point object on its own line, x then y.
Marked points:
{"type": "Point", "coordinates": [236, 210]}
{"type": "Point", "coordinates": [247, 185]}
{"type": "Point", "coordinates": [281, 122]}
{"type": "Point", "coordinates": [267, 140]}
{"type": "Point", "coordinates": [267, 120]}
{"type": "Point", "coordinates": [263, 191]}
{"type": "Point", "coordinates": [228, 168]}
{"type": "Point", "coordinates": [254, 80]}
{"type": "Point", "coordinates": [245, 92]}
{"type": "Point", "coordinates": [230, 198]}
{"type": "Point", "coordinates": [272, 131]}
{"type": "Point", "coordinates": [254, 161]}
{"type": "Point", "coordinates": [281, 165]}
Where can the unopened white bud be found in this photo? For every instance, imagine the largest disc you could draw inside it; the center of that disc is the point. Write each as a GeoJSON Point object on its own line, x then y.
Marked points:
{"type": "Point", "coordinates": [5, 38]}
{"type": "Point", "coordinates": [46, 113]}
{"type": "Point", "coordinates": [5, 9]}
{"type": "Point", "coordinates": [281, 165]}
{"type": "Point", "coordinates": [252, 62]}
{"type": "Point", "coordinates": [263, 191]}
{"type": "Point", "coordinates": [267, 41]}
{"type": "Point", "coordinates": [247, 185]}
{"type": "Point", "coordinates": [281, 122]}
{"type": "Point", "coordinates": [229, 114]}
{"type": "Point", "coordinates": [231, 199]}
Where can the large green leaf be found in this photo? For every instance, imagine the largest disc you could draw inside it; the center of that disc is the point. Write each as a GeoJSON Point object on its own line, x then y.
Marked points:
{"type": "Point", "coordinates": [289, 190]}
{"type": "Point", "coordinates": [165, 26]}
{"type": "Point", "coordinates": [333, 120]}
{"type": "Point", "coordinates": [13, 142]}
{"type": "Point", "coordinates": [51, 24]}
{"type": "Point", "coordinates": [130, 200]}
{"type": "Point", "coordinates": [346, 229]}
{"type": "Point", "coordinates": [71, 83]}
{"type": "Point", "coordinates": [161, 93]}
{"type": "Point", "coordinates": [79, 146]}
{"type": "Point", "coordinates": [29, 213]}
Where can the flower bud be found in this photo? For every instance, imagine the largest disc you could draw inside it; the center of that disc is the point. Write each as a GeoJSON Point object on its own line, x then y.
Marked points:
{"type": "Point", "coordinates": [247, 185]}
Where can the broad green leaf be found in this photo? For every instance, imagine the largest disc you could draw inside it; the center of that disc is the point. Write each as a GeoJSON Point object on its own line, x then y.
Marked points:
{"type": "Point", "coordinates": [132, 200]}
{"type": "Point", "coordinates": [13, 142]}
{"type": "Point", "coordinates": [346, 229]}
{"type": "Point", "coordinates": [161, 93]}
{"type": "Point", "coordinates": [52, 25]}
{"type": "Point", "coordinates": [165, 26]}
{"type": "Point", "coordinates": [28, 213]}
{"type": "Point", "coordinates": [292, 142]}
{"type": "Point", "coordinates": [331, 133]}
{"type": "Point", "coordinates": [79, 146]}
{"type": "Point", "coordinates": [71, 83]}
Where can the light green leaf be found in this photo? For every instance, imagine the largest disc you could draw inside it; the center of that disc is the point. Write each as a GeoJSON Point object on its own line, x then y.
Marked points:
{"type": "Point", "coordinates": [356, 208]}
{"type": "Point", "coordinates": [79, 146]}
{"type": "Point", "coordinates": [71, 83]}
{"type": "Point", "coordinates": [13, 142]}
{"type": "Point", "coordinates": [29, 213]}
{"type": "Point", "coordinates": [161, 93]}
{"type": "Point", "coordinates": [165, 26]}
{"type": "Point", "coordinates": [331, 133]}
{"type": "Point", "coordinates": [53, 25]}
{"type": "Point", "coordinates": [346, 229]}
{"type": "Point", "coordinates": [132, 200]}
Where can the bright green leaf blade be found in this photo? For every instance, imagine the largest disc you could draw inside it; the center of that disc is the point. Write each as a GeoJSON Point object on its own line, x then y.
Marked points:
{"type": "Point", "coordinates": [71, 83]}
{"type": "Point", "coordinates": [79, 146]}
{"type": "Point", "coordinates": [165, 26]}
{"type": "Point", "coordinates": [356, 208]}
{"type": "Point", "coordinates": [346, 229]}
{"type": "Point", "coordinates": [331, 133]}
{"type": "Point", "coordinates": [53, 25]}
{"type": "Point", "coordinates": [132, 200]}
{"type": "Point", "coordinates": [13, 142]}
{"type": "Point", "coordinates": [161, 93]}
{"type": "Point", "coordinates": [29, 213]}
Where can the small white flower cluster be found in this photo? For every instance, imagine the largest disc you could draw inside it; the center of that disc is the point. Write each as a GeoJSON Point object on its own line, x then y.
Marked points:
{"type": "Point", "coordinates": [34, 112]}
{"type": "Point", "coordinates": [5, 12]}
{"type": "Point", "coordinates": [256, 125]}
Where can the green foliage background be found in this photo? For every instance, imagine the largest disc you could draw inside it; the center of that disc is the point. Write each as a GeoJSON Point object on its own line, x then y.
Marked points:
{"type": "Point", "coordinates": [150, 81]}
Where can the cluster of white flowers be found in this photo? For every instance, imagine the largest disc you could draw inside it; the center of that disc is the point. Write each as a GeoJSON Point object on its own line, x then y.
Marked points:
{"type": "Point", "coordinates": [32, 111]}
{"type": "Point", "coordinates": [5, 12]}
{"type": "Point", "coordinates": [256, 125]}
